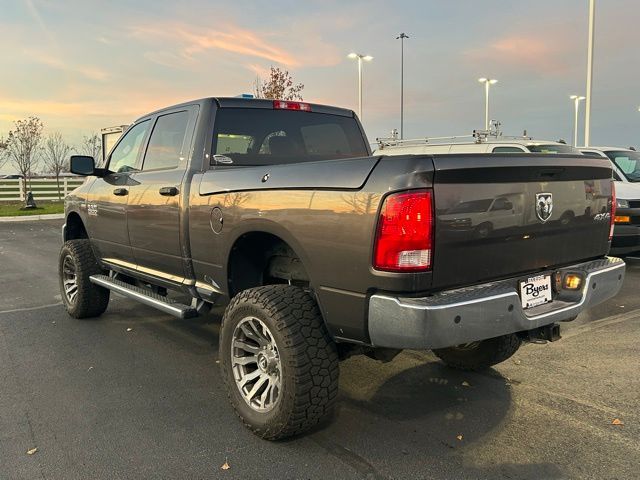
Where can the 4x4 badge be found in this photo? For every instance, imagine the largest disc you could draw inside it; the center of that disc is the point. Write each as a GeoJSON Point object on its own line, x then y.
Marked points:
{"type": "Point", "coordinates": [544, 206]}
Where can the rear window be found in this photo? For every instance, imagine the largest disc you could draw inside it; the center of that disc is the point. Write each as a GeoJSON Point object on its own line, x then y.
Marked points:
{"type": "Point", "coordinates": [552, 148]}
{"type": "Point", "coordinates": [253, 136]}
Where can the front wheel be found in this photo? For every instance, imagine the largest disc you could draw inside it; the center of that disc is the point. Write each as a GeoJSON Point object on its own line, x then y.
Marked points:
{"type": "Point", "coordinates": [278, 362]}
{"type": "Point", "coordinates": [480, 355]}
{"type": "Point", "coordinates": [81, 298]}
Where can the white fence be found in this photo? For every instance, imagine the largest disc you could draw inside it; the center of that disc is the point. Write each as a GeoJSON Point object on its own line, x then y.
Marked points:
{"type": "Point", "coordinates": [42, 188]}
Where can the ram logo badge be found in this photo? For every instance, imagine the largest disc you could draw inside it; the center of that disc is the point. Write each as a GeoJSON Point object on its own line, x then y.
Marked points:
{"type": "Point", "coordinates": [544, 206]}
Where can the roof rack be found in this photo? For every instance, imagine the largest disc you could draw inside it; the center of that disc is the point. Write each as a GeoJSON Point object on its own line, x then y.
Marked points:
{"type": "Point", "coordinates": [478, 136]}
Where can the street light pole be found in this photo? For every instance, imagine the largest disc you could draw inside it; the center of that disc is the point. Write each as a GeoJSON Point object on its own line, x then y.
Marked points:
{"type": "Point", "coordinates": [487, 82]}
{"type": "Point", "coordinates": [576, 102]}
{"type": "Point", "coordinates": [360, 58]}
{"type": "Point", "coordinates": [401, 37]}
{"type": "Point", "coordinates": [587, 112]}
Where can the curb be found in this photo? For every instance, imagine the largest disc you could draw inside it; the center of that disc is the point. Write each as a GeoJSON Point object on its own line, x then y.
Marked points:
{"type": "Point", "coordinates": [27, 218]}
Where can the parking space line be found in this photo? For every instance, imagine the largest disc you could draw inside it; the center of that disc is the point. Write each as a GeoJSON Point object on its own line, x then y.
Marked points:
{"type": "Point", "coordinates": [29, 309]}
{"type": "Point", "coordinates": [603, 322]}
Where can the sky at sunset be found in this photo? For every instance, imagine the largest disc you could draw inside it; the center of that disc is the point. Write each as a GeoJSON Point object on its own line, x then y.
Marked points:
{"type": "Point", "coordinates": [84, 65]}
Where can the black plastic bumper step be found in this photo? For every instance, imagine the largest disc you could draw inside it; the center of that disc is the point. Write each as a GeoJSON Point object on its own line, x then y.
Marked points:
{"type": "Point", "coordinates": [143, 295]}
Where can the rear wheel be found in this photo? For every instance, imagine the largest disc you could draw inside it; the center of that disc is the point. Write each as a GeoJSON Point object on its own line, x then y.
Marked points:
{"type": "Point", "coordinates": [278, 362]}
{"type": "Point", "coordinates": [480, 355]}
{"type": "Point", "coordinates": [81, 298]}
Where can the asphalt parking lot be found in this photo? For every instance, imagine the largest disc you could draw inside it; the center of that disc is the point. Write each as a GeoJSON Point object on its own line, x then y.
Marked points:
{"type": "Point", "coordinates": [137, 394]}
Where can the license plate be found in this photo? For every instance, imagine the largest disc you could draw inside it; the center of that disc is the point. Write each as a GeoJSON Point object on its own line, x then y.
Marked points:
{"type": "Point", "coordinates": [535, 291]}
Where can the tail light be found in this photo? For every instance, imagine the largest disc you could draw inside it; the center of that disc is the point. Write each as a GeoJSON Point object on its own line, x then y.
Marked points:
{"type": "Point", "coordinates": [404, 237]}
{"type": "Point", "coordinates": [613, 209]}
{"type": "Point", "coordinates": [284, 105]}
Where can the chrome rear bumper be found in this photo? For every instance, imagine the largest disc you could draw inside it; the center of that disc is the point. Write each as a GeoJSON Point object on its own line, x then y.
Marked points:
{"type": "Point", "coordinates": [483, 311]}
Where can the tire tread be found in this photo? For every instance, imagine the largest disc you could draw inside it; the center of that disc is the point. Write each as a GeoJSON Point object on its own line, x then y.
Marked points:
{"type": "Point", "coordinates": [313, 357]}
{"type": "Point", "coordinates": [91, 300]}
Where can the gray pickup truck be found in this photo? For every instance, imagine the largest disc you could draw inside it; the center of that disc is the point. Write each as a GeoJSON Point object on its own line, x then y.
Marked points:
{"type": "Point", "coordinates": [323, 251]}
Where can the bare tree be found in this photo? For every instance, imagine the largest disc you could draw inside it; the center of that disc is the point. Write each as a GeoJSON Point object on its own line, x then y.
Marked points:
{"type": "Point", "coordinates": [92, 146]}
{"type": "Point", "coordinates": [22, 146]}
{"type": "Point", "coordinates": [279, 85]}
{"type": "Point", "coordinates": [361, 203]}
{"type": "Point", "coordinates": [55, 153]}
{"type": "Point", "coordinates": [3, 152]}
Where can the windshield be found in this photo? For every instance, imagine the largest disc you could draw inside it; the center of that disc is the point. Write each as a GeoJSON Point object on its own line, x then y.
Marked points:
{"type": "Point", "coordinates": [628, 162]}
{"type": "Point", "coordinates": [554, 148]}
{"type": "Point", "coordinates": [256, 136]}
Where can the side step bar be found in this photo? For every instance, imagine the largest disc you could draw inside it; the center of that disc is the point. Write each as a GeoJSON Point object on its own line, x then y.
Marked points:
{"type": "Point", "coordinates": [142, 295]}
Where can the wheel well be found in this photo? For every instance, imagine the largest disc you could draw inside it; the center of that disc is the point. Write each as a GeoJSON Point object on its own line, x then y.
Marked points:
{"type": "Point", "coordinates": [75, 228]}
{"type": "Point", "coordinates": [260, 258]}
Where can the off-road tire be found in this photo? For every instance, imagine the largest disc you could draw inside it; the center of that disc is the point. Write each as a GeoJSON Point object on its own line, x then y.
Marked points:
{"type": "Point", "coordinates": [91, 300]}
{"type": "Point", "coordinates": [308, 360]}
{"type": "Point", "coordinates": [480, 355]}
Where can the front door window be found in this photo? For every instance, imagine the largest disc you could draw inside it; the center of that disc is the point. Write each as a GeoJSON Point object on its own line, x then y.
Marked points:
{"type": "Point", "coordinates": [125, 155]}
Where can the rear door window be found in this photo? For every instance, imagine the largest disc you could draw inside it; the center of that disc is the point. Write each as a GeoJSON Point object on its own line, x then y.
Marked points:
{"type": "Point", "coordinates": [165, 149]}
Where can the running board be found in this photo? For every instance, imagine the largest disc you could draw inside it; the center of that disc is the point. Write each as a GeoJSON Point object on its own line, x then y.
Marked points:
{"type": "Point", "coordinates": [143, 295]}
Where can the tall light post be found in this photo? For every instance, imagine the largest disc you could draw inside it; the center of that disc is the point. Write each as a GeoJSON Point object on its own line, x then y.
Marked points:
{"type": "Point", "coordinates": [401, 37]}
{"type": "Point", "coordinates": [487, 82]}
{"type": "Point", "coordinates": [366, 58]}
{"type": "Point", "coordinates": [576, 102]}
{"type": "Point", "coordinates": [587, 111]}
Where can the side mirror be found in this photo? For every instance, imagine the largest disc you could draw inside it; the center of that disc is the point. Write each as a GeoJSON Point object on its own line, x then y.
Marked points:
{"type": "Point", "coordinates": [82, 165]}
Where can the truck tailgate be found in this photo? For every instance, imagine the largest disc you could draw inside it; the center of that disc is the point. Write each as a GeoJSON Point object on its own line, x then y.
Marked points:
{"type": "Point", "coordinates": [500, 216]}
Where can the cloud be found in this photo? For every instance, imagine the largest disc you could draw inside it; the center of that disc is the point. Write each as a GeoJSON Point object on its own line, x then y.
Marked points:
{"type": "Point", "coordinates": [35, 14]}
{"type": "Point", "coordinates": [192, 42]}
{"type": "Point", "coordinates": [87, 71]}
{"type": "Point", "coordinates": [544, 54]}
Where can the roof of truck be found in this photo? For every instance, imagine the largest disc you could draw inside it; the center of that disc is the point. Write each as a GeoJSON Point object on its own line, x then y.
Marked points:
{"type": "Point", "coordinates": [243, 102]}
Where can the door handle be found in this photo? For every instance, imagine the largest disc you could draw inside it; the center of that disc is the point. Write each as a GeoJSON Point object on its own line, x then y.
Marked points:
{"type": "Point", "coordinates": [121, 192]}
{"type": "Point", "coordinates": [168, 191]}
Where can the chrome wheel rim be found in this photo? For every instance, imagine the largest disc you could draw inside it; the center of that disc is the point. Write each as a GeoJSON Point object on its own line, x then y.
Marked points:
{"type": "Point", "coordinates": [256, 364]}
{"type": "Point", "coordinates": [468, 346]}
{"type": "Point", "coordinates": [69, 279]}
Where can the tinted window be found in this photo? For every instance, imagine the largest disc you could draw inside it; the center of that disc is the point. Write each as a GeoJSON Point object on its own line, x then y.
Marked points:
{"type": "Point", "coordinates": [251, 136]}
{"type": "Point", "coordinates": [628, 162]}
{"type": "Point", "coordinates": [166, 142]}
{"type": "Point", "coordinates": [124, 156]}
{"type": "Point", "coordinates": [552, 148]}
{"type": "Point", "coordinates": [508, 150]}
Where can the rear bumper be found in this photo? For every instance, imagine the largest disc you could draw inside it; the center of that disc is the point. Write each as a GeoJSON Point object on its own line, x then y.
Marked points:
{"type": "Point", "coordinates": [483, 311]}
